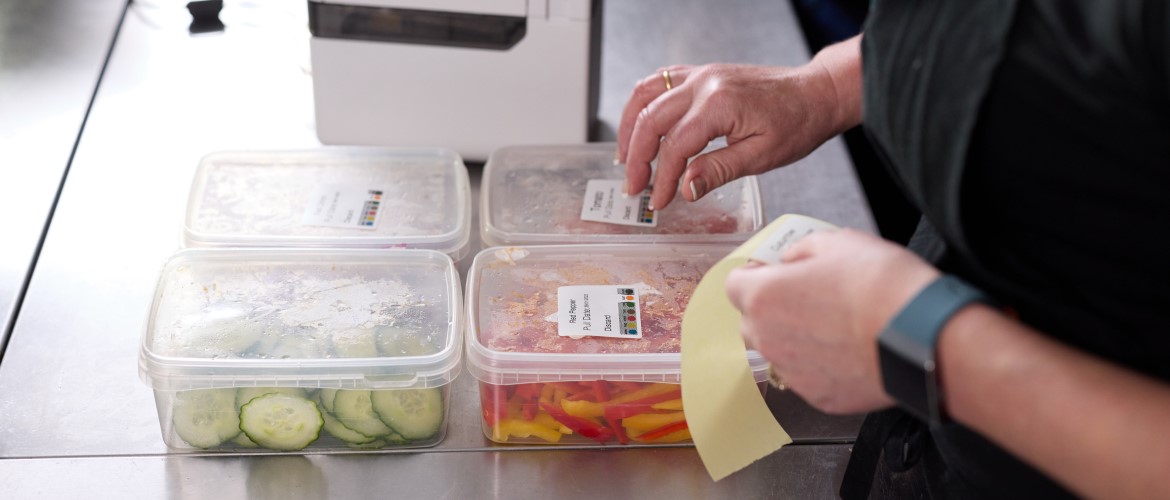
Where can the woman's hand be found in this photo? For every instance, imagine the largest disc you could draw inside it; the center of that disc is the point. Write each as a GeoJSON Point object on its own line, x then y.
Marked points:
{"type": "Point", "coordinates": [771, 116]}
{"type": "Point", "coordinates": [817, 315]}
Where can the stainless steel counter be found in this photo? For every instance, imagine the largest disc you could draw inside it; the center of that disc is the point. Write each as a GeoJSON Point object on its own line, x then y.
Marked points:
{"type": "Point", "coordinates": [51, 53]}
{"type": "Point", "coordinates": [75, 419]}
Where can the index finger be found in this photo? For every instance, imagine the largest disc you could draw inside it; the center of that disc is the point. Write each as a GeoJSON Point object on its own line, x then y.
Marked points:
{"type": "Point", "coordinates": [645, 91]}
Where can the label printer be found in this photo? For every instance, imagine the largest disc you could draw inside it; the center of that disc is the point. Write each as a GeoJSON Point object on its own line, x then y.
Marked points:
{"type": "Point", "coordinates": [469, 75]}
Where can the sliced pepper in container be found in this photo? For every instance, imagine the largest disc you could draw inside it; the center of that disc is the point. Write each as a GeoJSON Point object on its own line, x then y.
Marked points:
{"type": "Point", "coordinates": [588, 390]}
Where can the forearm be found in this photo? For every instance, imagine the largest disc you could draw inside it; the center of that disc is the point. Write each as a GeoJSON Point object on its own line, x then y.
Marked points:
{"type": "Point", "coordinates": [1096, 427]}
{"type": "Point", "coordinates": [840, 64]}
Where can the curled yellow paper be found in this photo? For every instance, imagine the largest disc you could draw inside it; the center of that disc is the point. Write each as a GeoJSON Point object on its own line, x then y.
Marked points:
{"type": "Point", "coordinates": [728, 419]}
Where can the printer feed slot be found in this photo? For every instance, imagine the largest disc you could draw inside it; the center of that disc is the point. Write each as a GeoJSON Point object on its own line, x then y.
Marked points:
{"type": "Point", "coordinates": [424, 27]}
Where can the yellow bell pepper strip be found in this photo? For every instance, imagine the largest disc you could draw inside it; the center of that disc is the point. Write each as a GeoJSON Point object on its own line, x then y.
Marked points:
{"type": "Point", "coordinates": [582, 426]}
{"type": "Point", "coordinates": [582, 396]}
{"type": "Point", "coordinates": [616, 411]}
{"type": "Point", "coordinates": [646, 392]}
{"type": "Point", "coordinates": [664, 431]}
{"type": "Point", "coordinates": [673, 405]}
{"type": "Point", "coordinates": [649, 421]}
{"type": "Point", "coordinates": [546, 420]}
{"type": "Point", "coordinates": [583, 409]}
{"type": "Point", "coordinates": [522, 429]}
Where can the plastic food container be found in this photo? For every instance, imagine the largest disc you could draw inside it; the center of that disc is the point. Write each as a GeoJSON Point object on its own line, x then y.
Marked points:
{"type": "Point", "coordinates": [533, 195]}
{"type": "Point", "coordinates": [287, 349]}
{"type": "Point", "coordinates": [339, 197]}
{"type": "Point", "coordinates": [537, 387]}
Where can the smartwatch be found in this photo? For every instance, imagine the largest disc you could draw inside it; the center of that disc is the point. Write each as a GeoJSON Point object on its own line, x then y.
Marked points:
{"type": "Point", "coordinates": [907, 346]}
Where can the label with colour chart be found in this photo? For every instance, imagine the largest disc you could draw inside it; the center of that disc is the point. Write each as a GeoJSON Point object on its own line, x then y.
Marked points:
{"type": "Point", "coordinates": [599, 311]}
{"type": "Point", "coordinates": [605, 202]}
{"type": "Point", "coordinates": [348, 206]}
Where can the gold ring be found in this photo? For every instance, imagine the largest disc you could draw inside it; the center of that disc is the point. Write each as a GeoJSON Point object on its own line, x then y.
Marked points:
{"type": "Point", "coordinates": [666, 78]}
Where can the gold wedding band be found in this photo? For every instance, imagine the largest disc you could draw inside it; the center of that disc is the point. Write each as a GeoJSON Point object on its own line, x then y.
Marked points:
{"type": "Point", "coordinates": [666, 78]}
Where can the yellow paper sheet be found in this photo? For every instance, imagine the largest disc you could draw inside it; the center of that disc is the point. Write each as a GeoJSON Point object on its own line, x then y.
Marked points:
{"type": "Point", "coordinates": [729, 421]}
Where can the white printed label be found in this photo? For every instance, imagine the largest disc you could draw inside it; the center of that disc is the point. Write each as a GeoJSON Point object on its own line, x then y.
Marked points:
{"type": "Point", "coordinates": [791, 230]}
{"type": "Point", "coordinates": [599, 311]}
{"type": "Point", "coordinates": [335, 205]}
{"type": "Point", "coordinates": [605, 202]}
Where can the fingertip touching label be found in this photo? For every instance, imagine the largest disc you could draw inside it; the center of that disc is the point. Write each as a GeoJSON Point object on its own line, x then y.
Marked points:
{"type": "Point", "coordinates": [348, 206]}
{"type": "Point", "coordinates": [605, 202]}
{"type": "Point", "coordinates": [599, 311]}
{"type": "Point", "coordinates": [788, 231]}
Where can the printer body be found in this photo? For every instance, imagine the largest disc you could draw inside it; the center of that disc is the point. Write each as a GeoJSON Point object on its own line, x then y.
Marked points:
{"type": "Point", "coordinates": [468, 75]}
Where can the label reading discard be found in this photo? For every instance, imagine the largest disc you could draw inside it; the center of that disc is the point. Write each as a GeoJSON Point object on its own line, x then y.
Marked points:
{"type": "Point", "coordinates": [599, 311]}
{"type": "Point", "coordinates": [605, 202]}
{"type": "Point", "coordinates": [791, 230]}
{"type": "Point", "coordinates": [348, 206]}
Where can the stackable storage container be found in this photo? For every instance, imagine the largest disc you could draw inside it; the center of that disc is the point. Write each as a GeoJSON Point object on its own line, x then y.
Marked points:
{"type": "Point", "coordinates": [286, 349]}
{"type": "Point", "coordinates": [537, 386]}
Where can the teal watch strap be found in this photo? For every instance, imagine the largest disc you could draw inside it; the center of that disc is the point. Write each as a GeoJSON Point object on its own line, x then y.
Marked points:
{"type": "Point", "coordinates": [906, 347]}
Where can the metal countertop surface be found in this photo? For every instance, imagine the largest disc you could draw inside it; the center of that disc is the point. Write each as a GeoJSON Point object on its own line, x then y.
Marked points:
{"type": "Point", "coordinates": [75, 415]}
{"type": "Point", "coordinates": [51, 53]}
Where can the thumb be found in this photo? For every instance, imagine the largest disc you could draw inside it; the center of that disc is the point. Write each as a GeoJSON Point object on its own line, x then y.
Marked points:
{"type": "Point", "coordinates": [708, 171]}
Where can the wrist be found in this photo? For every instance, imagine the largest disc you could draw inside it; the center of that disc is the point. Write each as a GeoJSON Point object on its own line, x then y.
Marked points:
{"type": "Point", "coordinates": [837, 72]}
{"type": "Point", "coordinates": [909, 349]}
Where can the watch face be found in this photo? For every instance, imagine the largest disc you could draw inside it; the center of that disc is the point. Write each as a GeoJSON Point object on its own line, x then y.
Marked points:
{"type": "Point", "coordinates": [905, 381]}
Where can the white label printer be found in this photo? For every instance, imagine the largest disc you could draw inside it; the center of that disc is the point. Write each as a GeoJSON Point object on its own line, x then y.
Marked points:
{"type": "Point", "coordinates": [469, 75]}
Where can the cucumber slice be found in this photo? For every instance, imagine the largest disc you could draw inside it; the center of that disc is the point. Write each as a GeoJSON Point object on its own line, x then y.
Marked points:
{"type": "Point", "coordinates": [354, 409]}
{"type": "Point", "coordinates": [243, 441]}
{"type": "Point", "coordinates": [413, 413]}
{"type": "Point", "coordinates": [376, 444]}
{"type": "Point", "coordinates": [281, 422]}
{"type": "Point", "coordinates": [245, 394]}
{"type": "Point", "coordinates": [335, 428]}
{"type": "Point", "coordinates": [205, 418]}
{"type": "Point", "coordinates": [326, 397]}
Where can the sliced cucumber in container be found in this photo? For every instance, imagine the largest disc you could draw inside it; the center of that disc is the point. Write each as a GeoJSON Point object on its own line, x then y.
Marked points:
{"type": "Point", "coordinates": [415, 414]}
{"type": "Point", "coordinates": [355, 410]}
{"type": "Point", "coordinates": [205, 418]}
{"type": "Point", "coordinates": [336, 429]}
{"type": "Point", "coordinates": [246, 394]}
{"type": "Point", "coordinates": [281, 422]}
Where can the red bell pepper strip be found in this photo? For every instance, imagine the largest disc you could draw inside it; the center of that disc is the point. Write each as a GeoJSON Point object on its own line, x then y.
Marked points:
{"type": "Point", "coordinates": [529, 410]}
{"type": "Point", "coordinates": [528, 391]}
{"type": "Point", "coordinates": [601, 391]}
{"type": "Point", "coordinates": [645, 405]}
{"type": "Point", "coordinates": [569, 388]}
{"type": "Point", "coordinates": [627, 386]}
{"type": "Point", "coordinates": [664, 430]}
{"type": "Point", "coordinates": [584, 427]}
{"type": "Point", "coordinates": [618, 430]}
{"type": "Point", "coordinates": [494, 402]}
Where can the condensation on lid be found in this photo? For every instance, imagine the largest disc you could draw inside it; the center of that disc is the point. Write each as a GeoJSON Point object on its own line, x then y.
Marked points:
{"type": "Point", "coordinates": [304, 313]}
{"type": "Point", "coordinates": [260, 198]}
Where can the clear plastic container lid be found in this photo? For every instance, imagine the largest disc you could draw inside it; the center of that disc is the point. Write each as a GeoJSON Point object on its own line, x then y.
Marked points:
{"type": "Point", "coordinates": [348, 318]}
{"type": "Point", "coordinates": [512, 332]}
{"type": "Point", "coordinates": [533, 195]}
{"type": "Point", "coordinates": [340, 197]}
